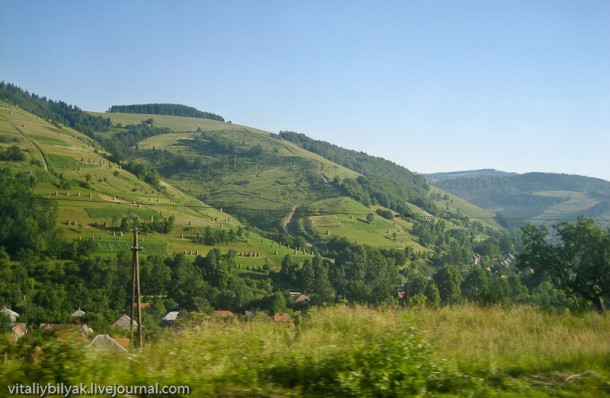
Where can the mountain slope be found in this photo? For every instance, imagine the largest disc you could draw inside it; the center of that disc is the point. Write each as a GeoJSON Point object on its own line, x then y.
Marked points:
{"type": "Point", "coordinates": [248, 171]}
{"type": "Point", "coordinates": [270, 181]}
{"type": "Point", "coordinates": [535, 196]}
{"type": "Point", "coordinates": [436, 177]}
{"type": "Point", "coordinates": [96, 196]}
{"type": "Point", "coordinates": [262, 178]}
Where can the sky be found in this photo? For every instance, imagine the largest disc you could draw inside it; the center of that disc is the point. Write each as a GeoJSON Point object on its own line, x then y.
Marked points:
{"type": "Point", "coordinates": [434, 86]}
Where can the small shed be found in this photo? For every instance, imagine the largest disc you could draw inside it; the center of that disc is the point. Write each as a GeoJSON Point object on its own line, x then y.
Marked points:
{"type": "Point", "coordinates": [106, 342]}
{"type": "Point", "coordinates": [78, 313]}
{"type": "Point", "coordinates": [124, 322]}
{"type": "Point", "coordinates": [171, 316]}
{"type": "Point", "coordinates": [86, 330]}
{"type": "Point", "coordinates": [18, 330]}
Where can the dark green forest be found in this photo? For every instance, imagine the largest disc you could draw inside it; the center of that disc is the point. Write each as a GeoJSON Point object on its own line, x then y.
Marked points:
{"type": "Point", "coordinates": [382, 182]}
{"type": "Point", "coordinates": [359, 161]}
{"type": "Point", "coordinates": [165, 109]}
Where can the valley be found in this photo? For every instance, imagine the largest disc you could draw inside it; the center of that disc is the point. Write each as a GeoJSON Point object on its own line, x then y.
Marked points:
{"type": "Point", "coordinates": [239, 226]}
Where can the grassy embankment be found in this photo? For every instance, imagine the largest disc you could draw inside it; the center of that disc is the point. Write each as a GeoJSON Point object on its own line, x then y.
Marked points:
{"type": "Point", "coordinates": [347, 351]}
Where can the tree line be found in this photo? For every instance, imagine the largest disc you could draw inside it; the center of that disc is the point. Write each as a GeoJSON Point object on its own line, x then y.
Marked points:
{"type": "Point", "coordinates": [358, 161]}
{"type": "Point", "coordinates": [165, 109]}
{"type": "Point", "coordinates": [382, 182]}
{"type": "Point", "coordinates": [54, 111]}
{"type": "Point", "coordinates": [125, 140]}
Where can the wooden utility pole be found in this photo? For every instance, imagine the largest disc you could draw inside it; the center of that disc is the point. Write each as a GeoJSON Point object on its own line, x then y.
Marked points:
{"type": "Point", "coordinates": [135, 289]}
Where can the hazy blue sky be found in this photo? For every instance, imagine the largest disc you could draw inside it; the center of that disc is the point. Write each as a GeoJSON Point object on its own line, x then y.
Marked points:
{"type": "Point", "coordinates": [431, 85]}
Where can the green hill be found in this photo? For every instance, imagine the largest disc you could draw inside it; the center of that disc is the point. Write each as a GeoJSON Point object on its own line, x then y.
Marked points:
{"type": "Point", "coordinates": [285, 185]}
{"type": "Point", "coordinates": [273, 183]}
{"type": "Point", "coordinates": [548, 197]}
{"type": "Point", "coordinates": [249, 172]}
{"type": "Point", "coordinates": [436, 177]}
{"type": "Point", "coordinates": [96, 196]}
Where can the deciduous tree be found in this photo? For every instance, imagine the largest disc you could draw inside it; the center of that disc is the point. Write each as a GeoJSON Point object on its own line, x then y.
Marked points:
{"type": "Point", "coordinates": [579, 265]}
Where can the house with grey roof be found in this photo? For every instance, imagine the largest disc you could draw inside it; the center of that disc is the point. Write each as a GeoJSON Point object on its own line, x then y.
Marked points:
{"type": "Point", "coordinates": [78, 313]}
{"type": "Point", "coordinates": [171, 316]}
{"type": "Point", "coordinates": [12, 315]}
{"type": "Point", "coordinates": [106, 342]}
{"type": "Point", "coordinates": [124, 322]}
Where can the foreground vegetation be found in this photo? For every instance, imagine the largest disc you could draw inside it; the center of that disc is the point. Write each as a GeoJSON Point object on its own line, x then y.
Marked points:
{"type": "Point", "coordinates": [347, 351]}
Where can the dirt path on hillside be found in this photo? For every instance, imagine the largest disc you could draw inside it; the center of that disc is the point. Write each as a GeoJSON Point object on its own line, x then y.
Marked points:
{"type": "Point", "coordinates": [34, 144]}
{"type": "Point", "coordinates": [288, 219]}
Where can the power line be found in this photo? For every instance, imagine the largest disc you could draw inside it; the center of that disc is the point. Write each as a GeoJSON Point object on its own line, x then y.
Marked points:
{"type": "Point", "coordinates": [284, 210]}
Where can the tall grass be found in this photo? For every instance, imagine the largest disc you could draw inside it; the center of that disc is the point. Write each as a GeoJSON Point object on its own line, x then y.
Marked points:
{"type": "Point", "coordinates": [349, 351]}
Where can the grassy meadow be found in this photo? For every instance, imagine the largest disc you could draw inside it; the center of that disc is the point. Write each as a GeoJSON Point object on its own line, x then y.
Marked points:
{"type": "Point", "coordinates": [349, 219]}
{"type": "Point", "coordinates": [349, 351]}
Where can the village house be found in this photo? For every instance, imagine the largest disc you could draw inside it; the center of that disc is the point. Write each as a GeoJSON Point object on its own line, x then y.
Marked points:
{"type": "Point", "coordinates": [124, 322]}
{"type": "Point", "coordinates": [170, 317]}
{"type": "Point", "coordinates": [18, 330]}
{"type": "Point", "coordinates": [12, 315]}
{"type": "Point", "coordinates": [302, 300]}
{"type": "Point", "coordinates": [107, 343]}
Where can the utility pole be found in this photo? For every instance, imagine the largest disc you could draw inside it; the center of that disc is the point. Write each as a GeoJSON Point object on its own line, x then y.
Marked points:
{"type": "Point", "coordinates": [135, 289]}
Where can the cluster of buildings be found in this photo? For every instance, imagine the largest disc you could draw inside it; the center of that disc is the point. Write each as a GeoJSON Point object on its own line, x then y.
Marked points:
{"type": "Point", "coordinates": [118, 344]}
{"type": "Point", "coordinates": [82, 331]}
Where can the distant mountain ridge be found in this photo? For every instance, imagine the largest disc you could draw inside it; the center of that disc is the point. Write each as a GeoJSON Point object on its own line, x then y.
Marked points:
{"type": "Point", "coordinates": [435, 177]}
{"type": "Point", "coordinates": [165, 109]}
{"type": "Point", "coordinates": [530, 196]}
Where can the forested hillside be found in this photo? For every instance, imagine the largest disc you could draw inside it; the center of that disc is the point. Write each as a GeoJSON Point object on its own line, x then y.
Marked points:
{"type": "Point", "coordinates": [383, 181]}
{"type": "Point", "coordinates": [53, 111]}
{"type": "Point", "coordinates": [519, 198]}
